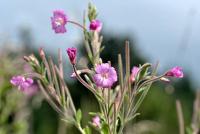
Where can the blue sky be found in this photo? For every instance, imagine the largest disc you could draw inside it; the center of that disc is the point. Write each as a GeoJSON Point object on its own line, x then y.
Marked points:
{"type": "Point", "coordinates": [160, 26]}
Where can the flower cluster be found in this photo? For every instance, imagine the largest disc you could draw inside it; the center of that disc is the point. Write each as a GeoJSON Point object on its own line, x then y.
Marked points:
{"type": "Point", "coordinates": [22, 82]}
{"type": "Point", "coordinates": [116, 100]}
{"type": "Point", "coordinates": [26, 85]}
{"type": "Point", "coordinates": [134, 73]}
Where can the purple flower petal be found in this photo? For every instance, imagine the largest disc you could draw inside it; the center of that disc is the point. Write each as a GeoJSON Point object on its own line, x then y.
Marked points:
{"type": "Point", "coordinates": [22, 83]}
{"type": "Point", "coordinates": [134, 72]}
{"type": "Point", "coordinates": [105, 75]}
{"type": "Point", "coordinates": [17, 80]}
{"type": "Point", "coordinates": [96, 25]}
{"type": "Point", "coordinates": [96, 121]}
{"type": "Point", "coordinates": [176, 72]}
{"type": "Point", "coordinates": [58, 21]}
{"type": "Point", "coordinates": [72, 54]}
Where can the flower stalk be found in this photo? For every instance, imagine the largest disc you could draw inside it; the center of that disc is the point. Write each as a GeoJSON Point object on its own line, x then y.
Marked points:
{"type": "Point", "coordinates": [119, 93]}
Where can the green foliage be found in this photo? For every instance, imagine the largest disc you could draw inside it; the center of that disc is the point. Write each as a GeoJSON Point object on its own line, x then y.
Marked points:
{"type": "Point", "coordinates": [13, 106]}
{"type": "Point", "coordinates": [92, 12]}
{"type": "Point", "coordinates": [78, 116]}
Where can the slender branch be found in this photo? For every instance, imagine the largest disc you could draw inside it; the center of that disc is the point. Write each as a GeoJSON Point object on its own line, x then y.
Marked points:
{"type": "Point", "coordinates": [43, 57]}
{"type": "Point", "coordinates": [195, 116]}
{"type": "Point", "coordinates": [60, 62]}
{"type": "Point", "coordinates": [66, 89]}
{"type": "Point", "coordinates": [115, 118]}
{"type": "Point", "coordinates": [127, 53]}
{"type": "Point", "coordinates": [136, 86]}
{"type": "Point", "coordinates": [60, 72]}
{"type": "Point", "coordinates": [56, 108]}
{"type": "Point", "coordinates": [61, 127]}
{"type": "Point", "coordinates": [55, 80]}
{"type": "Point", "coordinates": [80, 128]}
{"type": "Point", "coordinates": [109, 125]}
{"type": "Point", "coordinates": [120, 68]}
{"type": "Point", "coordinates": [77, 24]}
{"type": "Point", "coordinates": [180, 117]}
{"type": "Point", "coordinates": [86, 84]}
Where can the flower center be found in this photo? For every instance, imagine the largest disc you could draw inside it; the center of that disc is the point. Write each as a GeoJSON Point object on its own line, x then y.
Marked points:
{"type": "Point", "coordinates": [104, 75]}
{"type": "Point", "coordinates": [59, 21]}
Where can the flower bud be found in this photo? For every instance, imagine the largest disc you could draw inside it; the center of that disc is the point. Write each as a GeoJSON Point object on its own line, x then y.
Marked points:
{"type": "Point", "coordinates": [96, 25]}
{"type": "Point", "coordinates": [96, 121]}
{"type": "Point", "coordinates": [41, 52]}
{"type": "Point", "coordinates": [134, 72]}
{"type": "Point", "coordinates": [72, 55]}
{"type": "Point", "coordinates": [33, 59]}
{"type": "Point", "coordinates": [175, 72]}
{"type": "Point", "coordinates": [92, 12]}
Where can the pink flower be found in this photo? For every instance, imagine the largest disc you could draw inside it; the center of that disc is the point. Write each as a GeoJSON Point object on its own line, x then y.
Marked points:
{"type": "Point", "coordinates": [105, 75]}
{"type": "Point", "coordinates": [21, 82]}
{"type": "Point", "coordinates": [72, 55]}
{"type": "Point", "coordinates": [17, 80]}
{"type": "Point", "coordinates": [134, 72]}
{"type": "Point", "coordinates": [31, 90]}
{"type": "Point", "coordinates": [58, 21]}
{"type": "Point", "coordinates": [96, 25]}
{"type": "Point", "coordinates": [96, 121]}
{"type": "Point", "coordinates": [175, 72]}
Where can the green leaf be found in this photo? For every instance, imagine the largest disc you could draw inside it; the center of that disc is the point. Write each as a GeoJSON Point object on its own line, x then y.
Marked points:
{"type": "Point", "coordinates": [92, 13]}
{"type": "Point", "coordinates": [79, 116]}
{"type": "Point", "coordinates": [92, 113]}
{"type": "Point", "coordinates": [142, 89]}
{"type": "Point", "coordinates": [189, 130]}
{"type": "Point", "coordinates": [143, 71]}
{"type": "Point", "coordinates": [105, 128]}
{"type": "Point", "coordinates": [110, 108]}
{"type": "Point", "coordinates": [87, 130]}
{"type": "Point", "coordinates": [132, 117]}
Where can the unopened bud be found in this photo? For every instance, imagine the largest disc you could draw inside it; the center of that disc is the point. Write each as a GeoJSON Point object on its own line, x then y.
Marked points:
{"type": "Point", "coordinates": [41, 52]}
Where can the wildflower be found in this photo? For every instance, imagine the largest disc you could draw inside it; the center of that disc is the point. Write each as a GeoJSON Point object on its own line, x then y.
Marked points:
{"type": "Point", "coordinates": [16, 80]}
{"type": "Point", "coordinates": [72, 55]}
{"type": "Point", "coordinates": [21, 82]}
{"type": "Point", "coordinates": [134, 72]}
{"type": "Point", "coordinates": [96, 25]}
{"type": "Point", "coordinates": [96, 121]}
{"type": "Point", "coordinates": [41, 52]}
{"type": "Point", "coordinates": [175, 72]}
{"type": "Point", "coordinates": [31, 90]}
{"type": "Point", "coordinates": [58, 21]}
{"type": "Point", "coordinates": [105, 75]}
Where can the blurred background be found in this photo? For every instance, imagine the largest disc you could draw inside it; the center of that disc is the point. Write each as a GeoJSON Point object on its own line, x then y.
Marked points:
{"type": "Point", "coordinates": [166, 31]}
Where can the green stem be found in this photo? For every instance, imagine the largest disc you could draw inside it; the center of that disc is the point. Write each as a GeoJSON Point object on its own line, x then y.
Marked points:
{"type": "Point", "coordinates": [121, 129]}
{"type": "Point", "coordinates": [78, 126]}
{"type": "Point", "coordinates": [86, 84]}
{"type": "Point", "coordinates": [61, 127]}
{"type": "Point", "coordinates": [77, 24]}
